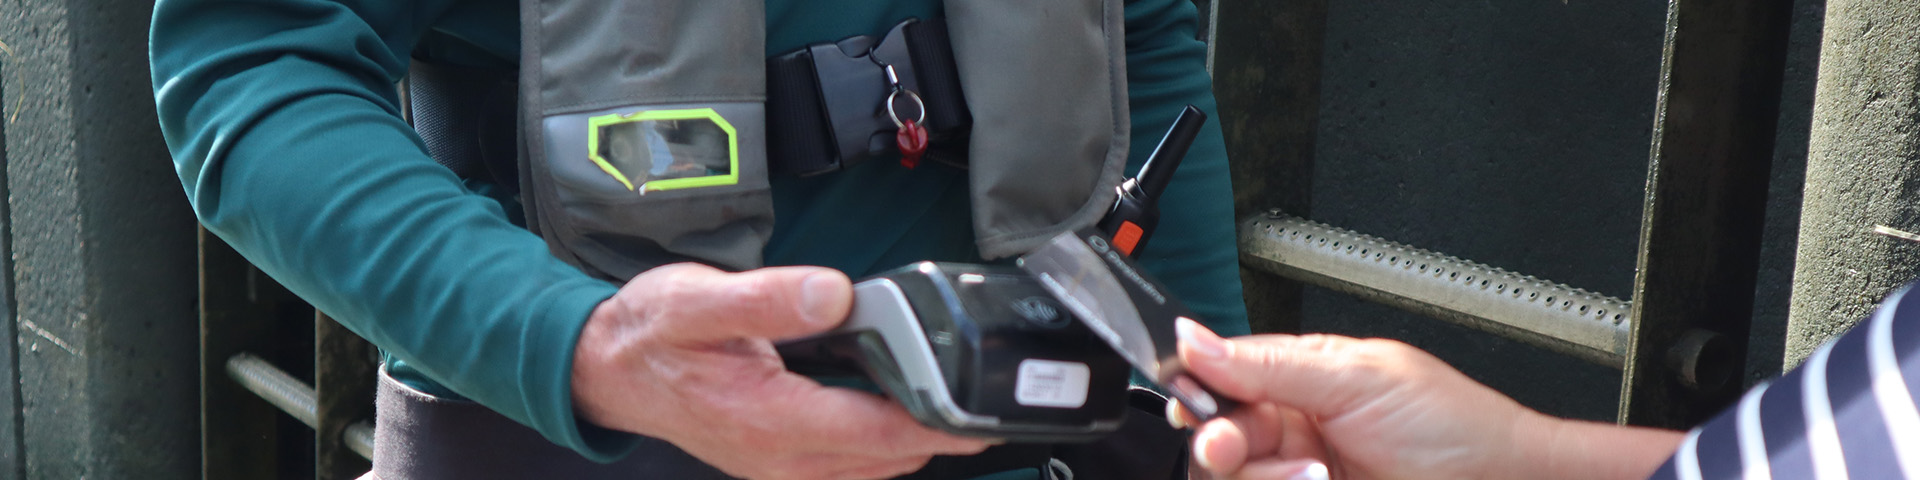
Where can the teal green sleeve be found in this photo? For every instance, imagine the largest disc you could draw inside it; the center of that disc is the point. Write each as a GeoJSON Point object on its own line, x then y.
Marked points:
{"type": "Point", "coordinates": [286, 133]}
{"type": "Point", "coordinates": [1194, 250]}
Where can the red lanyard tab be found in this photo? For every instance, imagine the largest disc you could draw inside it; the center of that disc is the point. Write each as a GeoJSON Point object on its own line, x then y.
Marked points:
{"type": "Point", "coordinates": [912, 139]}
{"type": "Point", "coordinates": [912, 135]}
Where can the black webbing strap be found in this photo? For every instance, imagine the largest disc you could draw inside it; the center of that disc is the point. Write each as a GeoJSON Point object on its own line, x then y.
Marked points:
{"type": "Point", "coordinates": [797, 132]}
{"type": "Point", "coordinates": [466, 117]}
{"type": "Point", "coordinates": [825, 106]}
{"type": "Point", "coordinates": [826, 103]}
{"type": "Point", "coordinates": [939, 77]}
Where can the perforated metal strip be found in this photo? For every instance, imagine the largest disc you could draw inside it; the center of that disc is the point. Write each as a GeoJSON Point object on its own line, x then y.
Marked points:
{"type": "Point", "coordinates": [1569, 320]}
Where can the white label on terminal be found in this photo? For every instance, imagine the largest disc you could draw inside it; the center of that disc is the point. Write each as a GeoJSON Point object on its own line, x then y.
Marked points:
{"type": "Point", "coordinates": [1053, 384]}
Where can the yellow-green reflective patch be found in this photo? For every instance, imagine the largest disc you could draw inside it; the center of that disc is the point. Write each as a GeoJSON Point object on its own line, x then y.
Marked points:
{"type": "Point", "coordinates": [654, 150]}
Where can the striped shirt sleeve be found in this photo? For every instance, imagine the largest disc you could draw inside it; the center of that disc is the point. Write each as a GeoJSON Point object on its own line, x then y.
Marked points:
{"type": "Point", "coordinates": [1849, 412]}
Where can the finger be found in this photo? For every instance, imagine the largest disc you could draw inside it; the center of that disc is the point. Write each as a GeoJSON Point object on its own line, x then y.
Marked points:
{"type": "Point", "coordinates": [1323, 375]}
{"type": "Point", "coordinates": [1289, 469]}
{"type": "Point", "coordinates": [1220, 446]}
{"type": "Point", "coordinates": [1264, 429]}
{"type": "Point", "coordinates": [1302, 436]}
{"type": "Point", "coordinates": [1179, 417]}
{"type": "Point", "coordinates": [858, 422]}
{"type": "Point", "coordinates": [1272, 432]}
{"type": "Point", "coordinates": [1196, 472]}
{"type": "Point", "coordinates": [884, 469]}
{"type": "Point", "coordinates": [1253, 432]}
{"type": "Point", "coordinates": [842, 466]}
{"type": "Point", "coordinates": [702, 304]}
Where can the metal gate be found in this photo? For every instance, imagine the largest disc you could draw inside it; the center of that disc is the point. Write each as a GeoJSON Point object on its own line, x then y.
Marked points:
{"type": "Point", "coordinates": [1681, 340]}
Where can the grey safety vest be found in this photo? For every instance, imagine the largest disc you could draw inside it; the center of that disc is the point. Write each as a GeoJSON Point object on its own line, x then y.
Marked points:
{"type": "Point", "coordinates": [643, 125]}
{"type": "Point", "coordinates": [642, 141]}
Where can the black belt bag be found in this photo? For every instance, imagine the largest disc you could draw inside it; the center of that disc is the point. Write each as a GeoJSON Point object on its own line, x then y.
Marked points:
{"type": "Point", "coordinates": [418, 436]}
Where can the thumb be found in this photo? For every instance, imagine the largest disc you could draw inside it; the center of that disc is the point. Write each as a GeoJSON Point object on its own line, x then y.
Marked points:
{"type": "Point", "coordinates": [701, 304]}
{"type": "Point", "coordinates": [1285, 469]}
{"type": "Point", "coordinates": [1321, 375]}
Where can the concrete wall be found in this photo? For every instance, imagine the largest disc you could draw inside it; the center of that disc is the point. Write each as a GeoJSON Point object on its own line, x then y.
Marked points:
{"type": "Point", "coordinates": [1861, 172]}
{"type": "Point", "coordinates": [10, 447]}
{"type": "Point", "coordinates": [1516, 133]}
{"type": "Point", "coordinates": [102, 249]}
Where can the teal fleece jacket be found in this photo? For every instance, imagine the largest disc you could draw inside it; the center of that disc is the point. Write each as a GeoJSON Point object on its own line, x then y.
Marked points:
{"type": "Point", "coordinates": [286, 132]}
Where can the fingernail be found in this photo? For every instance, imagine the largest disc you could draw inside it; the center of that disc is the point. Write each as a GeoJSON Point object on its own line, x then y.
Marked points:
{"type": "Point", "coordinates": [1200, 444]}
{"type": "Point", "coordinates": [1203, 341]}
{"type": "Point", "coordinates": [1174, 418]}
{"type": "Point", "coordinates": [816, 295]}
{"type": "Point", "coordinates": [1316, 471]}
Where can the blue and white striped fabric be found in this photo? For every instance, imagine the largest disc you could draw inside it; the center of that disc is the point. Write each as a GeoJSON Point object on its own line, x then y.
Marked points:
{"type": "Point", "coordinates": [1849, 412]}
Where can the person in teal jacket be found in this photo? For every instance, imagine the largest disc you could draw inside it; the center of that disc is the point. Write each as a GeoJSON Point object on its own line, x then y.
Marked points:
{"type": "Point", "coordinates": [287, 135]}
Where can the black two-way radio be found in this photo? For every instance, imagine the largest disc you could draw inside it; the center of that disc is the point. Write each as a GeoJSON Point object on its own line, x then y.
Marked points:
{"type": "Point", "coordinates": [1136, 213]}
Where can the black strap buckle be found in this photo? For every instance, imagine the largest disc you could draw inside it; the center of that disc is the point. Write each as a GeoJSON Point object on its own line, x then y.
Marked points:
{"type": "Point", "coordinates": [827, 104]}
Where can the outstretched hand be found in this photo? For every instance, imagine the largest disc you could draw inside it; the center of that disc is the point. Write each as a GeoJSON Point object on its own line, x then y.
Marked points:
{"type": "Point", "coordinates": [684, 353]}
{"type": "Point", "coordinates": [1366, 409]}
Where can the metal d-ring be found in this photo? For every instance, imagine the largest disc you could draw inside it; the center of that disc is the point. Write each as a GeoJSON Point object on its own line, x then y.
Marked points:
{"type": "Point", "coordinates": [893, 78]}
{"type": "Point", "coordinates": [922, 106]}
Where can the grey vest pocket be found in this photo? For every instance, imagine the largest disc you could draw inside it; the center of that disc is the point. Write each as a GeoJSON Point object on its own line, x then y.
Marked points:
{"type": "Point", "coordinates": [644, 132]}
{"type": "Point", "coordinates": [638, 187]}
{"type": "Point", "coordinates": [1047, 84]}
